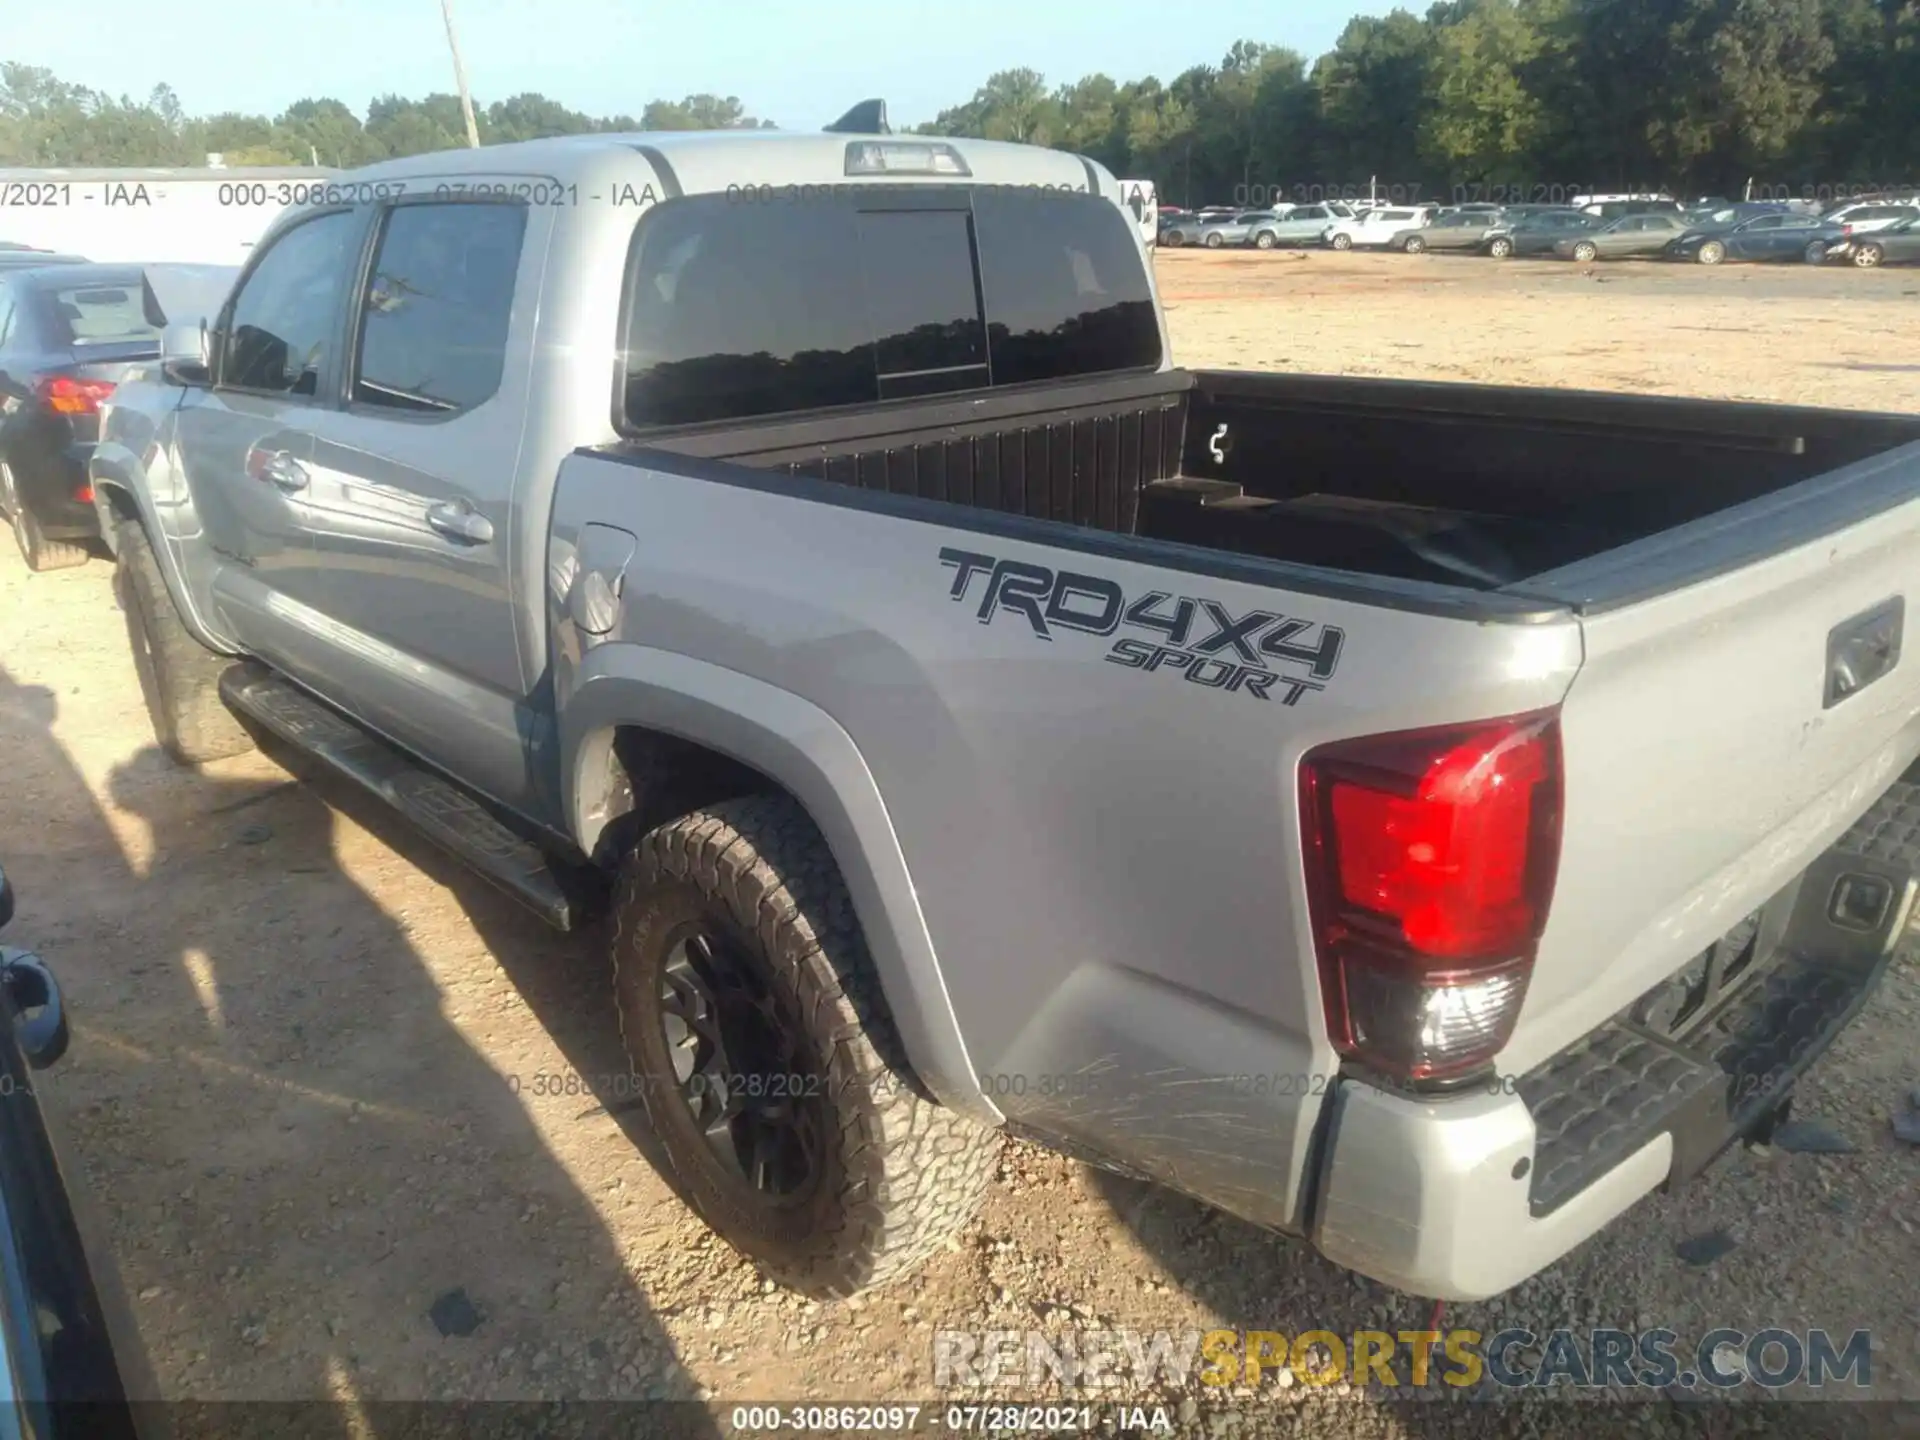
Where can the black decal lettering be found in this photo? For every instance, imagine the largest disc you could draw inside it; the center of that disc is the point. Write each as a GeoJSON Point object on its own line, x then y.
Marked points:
{"type": "Point", "coordinates": [1229, 631]}
{"type": "Point", "coordinates": [1130, 653]}
{"type": "Point", "coordinates": [1174, 626]}
{"type": "Point", "coordinates": [1297, 688]}
{"type": "Point", "coordinates": [1105, 593]}
{"type": "Point", "coordinates": [1177, 659]}
{"type": "Point", "coordinates": [1258, 682]}
{"type": "Point", "coordinates": [1321, 659]}
{"type": "Point", "coordinates": [1020, 588]}
{"type": "Point", "coordinates": [966, 565]}
{"type": "Point", "coordinates": [1212, 673]}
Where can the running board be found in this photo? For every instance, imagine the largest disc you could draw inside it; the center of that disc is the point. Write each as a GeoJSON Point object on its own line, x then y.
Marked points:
{"type": "Point", "coordinates": [446, 814]}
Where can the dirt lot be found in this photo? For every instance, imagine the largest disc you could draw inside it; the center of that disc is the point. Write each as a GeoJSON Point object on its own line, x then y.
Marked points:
{"type": "Point", "coordinates": [321, 1077]}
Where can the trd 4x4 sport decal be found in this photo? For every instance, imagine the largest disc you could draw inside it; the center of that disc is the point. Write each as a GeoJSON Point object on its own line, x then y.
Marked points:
{"type": "Point", "coordinates": [1197, 638]}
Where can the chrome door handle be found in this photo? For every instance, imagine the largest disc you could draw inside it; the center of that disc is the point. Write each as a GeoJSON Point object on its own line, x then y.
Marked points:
{"type": "Point", "coordinates": [457, 520]}
{"type": "Point", "coordinates": [285, 472]}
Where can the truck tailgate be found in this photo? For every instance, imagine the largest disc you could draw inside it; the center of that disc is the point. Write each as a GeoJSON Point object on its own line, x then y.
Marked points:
{"type": "Point", "coordinates": [1713, 748]}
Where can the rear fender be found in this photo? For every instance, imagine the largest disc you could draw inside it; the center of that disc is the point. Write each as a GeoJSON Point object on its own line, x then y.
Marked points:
{"type": "Point", "coordinates": [801, 748]}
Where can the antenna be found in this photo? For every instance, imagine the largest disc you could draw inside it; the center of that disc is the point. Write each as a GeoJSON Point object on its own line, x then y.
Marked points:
{"type": "Point", "coordinates": [869, 117]}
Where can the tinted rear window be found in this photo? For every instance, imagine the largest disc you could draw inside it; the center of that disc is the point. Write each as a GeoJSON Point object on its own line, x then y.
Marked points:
{"type": "Point", "coordinates": [103, 314]}
{"type": "Point", "coordinates": [736, 311]}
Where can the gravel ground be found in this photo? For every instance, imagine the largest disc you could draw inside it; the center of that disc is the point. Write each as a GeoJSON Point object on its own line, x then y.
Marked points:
{"type": "Point", "coordinates": [324, 1085]}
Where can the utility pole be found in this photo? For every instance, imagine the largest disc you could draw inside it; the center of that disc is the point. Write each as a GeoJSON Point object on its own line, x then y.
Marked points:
{"type": "Point", "coordinates": [460, 75]}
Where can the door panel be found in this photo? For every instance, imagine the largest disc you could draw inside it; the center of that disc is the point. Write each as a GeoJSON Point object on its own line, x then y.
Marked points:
{"type": "Point", "coordinates": [411, 505]}
{"type": "Point", "coordinates": [245, 443]}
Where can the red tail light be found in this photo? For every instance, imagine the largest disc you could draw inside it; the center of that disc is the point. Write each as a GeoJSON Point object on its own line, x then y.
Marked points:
{"type": "Point", "coordinates": [1430, 864]}
{"type": "Point", "coordinates": [67, 396]}
{"type": "Point", "coordinates": [1846, 229]}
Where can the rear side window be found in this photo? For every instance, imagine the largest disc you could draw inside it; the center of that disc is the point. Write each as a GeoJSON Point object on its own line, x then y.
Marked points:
{"type": "Point", "coordinates": [433, 330]}
{"type": "Point", "coordinates": [735, 312]}
{"type": "Point", "coordinates": [283, 318]}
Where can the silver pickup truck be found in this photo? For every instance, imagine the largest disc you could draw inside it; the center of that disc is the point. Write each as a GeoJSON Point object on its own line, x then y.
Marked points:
{"type": "Point", "coordinates": [1421, 818]}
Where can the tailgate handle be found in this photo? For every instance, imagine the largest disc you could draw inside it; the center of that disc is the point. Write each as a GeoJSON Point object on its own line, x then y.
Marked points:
{"type": "Point", "coordinates": [1863, 649]}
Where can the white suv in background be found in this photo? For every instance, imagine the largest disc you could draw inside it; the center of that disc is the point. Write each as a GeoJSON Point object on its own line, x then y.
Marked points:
{"type": "Point", "coordinates": [1377, 227]}
{"type": "Point", "coordinates": [1872, 215]}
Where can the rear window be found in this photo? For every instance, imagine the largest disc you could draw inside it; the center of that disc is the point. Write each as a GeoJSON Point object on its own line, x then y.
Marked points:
{"type": "Point", "coordinates": [104, 314]}
{"type": "Point", "coordinates": [736, 311]}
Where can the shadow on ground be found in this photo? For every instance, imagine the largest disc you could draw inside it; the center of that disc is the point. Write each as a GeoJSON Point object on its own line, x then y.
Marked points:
{"type": "Point", "coordinates": [316, 1187]}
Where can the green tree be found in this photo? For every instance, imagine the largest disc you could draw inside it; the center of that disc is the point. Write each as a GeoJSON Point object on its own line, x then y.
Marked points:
{"type": "Point", "coordinates": [1482, 116]}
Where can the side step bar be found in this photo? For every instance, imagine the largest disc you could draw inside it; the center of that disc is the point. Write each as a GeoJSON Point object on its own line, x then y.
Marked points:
{"type": "Point", "coordinates": [445, 813]}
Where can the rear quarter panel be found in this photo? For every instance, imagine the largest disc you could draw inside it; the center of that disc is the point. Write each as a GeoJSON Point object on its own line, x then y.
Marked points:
{"type": "Point", "coordinates": [1106, 860]}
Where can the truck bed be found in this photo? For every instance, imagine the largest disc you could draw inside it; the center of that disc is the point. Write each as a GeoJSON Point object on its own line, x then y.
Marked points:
{"type": "Point", "coordinates": [1479, 487]}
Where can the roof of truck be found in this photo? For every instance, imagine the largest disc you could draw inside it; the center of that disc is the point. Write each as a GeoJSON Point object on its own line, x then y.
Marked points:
{"type": "Point", "coordinates": [714, 160]}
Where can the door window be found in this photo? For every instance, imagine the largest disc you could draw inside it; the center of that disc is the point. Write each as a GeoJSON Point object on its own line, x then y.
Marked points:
{"type": "Point", "coordinates": [433, 329]}
{"type": "Point", "coordinates": [283, 320]}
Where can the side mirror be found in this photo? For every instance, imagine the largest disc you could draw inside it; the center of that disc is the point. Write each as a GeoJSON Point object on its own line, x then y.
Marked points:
{"type": "Point", "coordinates": [185, 353]}
{"type": "Point", "coordinates": [6, 899]}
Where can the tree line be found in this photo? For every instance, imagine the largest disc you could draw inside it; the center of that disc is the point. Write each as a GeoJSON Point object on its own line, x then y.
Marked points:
{"type": "Point", "coordinates": [1529, 96]}
{"type": "Point", "coordinates": [1512, 95]}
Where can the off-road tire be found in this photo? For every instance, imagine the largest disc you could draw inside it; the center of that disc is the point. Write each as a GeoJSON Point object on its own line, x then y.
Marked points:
{"type": "Point", "coordinates": [901, 1174]}
{"type": "Point", "coordinates": [179, 677]}
{"type": "Point", "coordinates": [40, 553]}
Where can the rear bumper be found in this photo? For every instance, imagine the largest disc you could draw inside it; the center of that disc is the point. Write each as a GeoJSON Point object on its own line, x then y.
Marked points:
{"type": "Point", "coordinates": [1466, 1196]}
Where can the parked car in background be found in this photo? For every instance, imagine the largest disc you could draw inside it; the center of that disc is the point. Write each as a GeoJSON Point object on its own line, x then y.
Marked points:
{"type": "Point", "coordinates": [1736, 212]}
{"type": "Point", "coordinates": [1868, 219]}
{"type": "Point", "coordinates": [1377, 228]}
{"type": "Point", "coordinates": [26, 257]}
{"type": "Point", "coordinates": [1618, 208]}
{"type": "Point", "coordinates": [68, 335]}
{"type": "Point", "coordinates": [1214, 228]}
{"type": "Point", "coordinates": [1896, 245]}
{"type": "Point", "coordinates": [1764, 237]}
{"type": "Point", "coordinates": [1300, 225]}
{"type": "Point", "coordinates": [1536, 233]}
{"type": "Point", "coordinates": [1628, 236]}
{"type": "Point", "coordinates": [1461, 228]}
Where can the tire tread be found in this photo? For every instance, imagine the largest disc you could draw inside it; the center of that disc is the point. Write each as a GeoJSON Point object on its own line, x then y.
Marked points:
{"type": "Point", "coordinates": [913, 1171]}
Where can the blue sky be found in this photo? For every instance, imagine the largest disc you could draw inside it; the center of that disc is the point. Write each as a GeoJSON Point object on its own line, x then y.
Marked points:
{"type": "Point", "coordinates": [799, 63]}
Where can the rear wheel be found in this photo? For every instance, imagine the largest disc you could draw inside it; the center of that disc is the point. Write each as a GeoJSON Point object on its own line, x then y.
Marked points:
{"type": "Point", "coordinates": [1341, 242]}
{"type": "Point", "coordinates": [1214, 242]}
{"type": "Point", "coordinates": [1815, 253]}
{"type": "Point", "coordinates": [1712, 253]}
{"type": "Point", "coordinates": [1586, 252]}
{"type": "Point", "coordinates": [1501, 248]}
{"type": "Point", "coordinates": [1264, 240]}
{"type": "Point", "coordinates": [1415, 245]}
{"type": "Point", "coordinates": [40, 553]}
{"type": "Point", "coordinates": [179, 677]}
{"type": "Point", "coordinates": [766, 1063]}
{"type": "Point", "coordinates": [1867, 256]}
